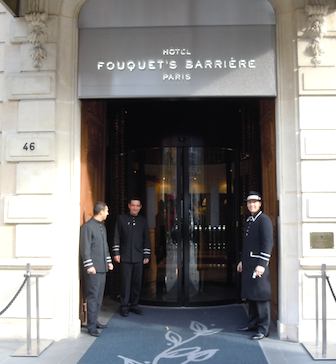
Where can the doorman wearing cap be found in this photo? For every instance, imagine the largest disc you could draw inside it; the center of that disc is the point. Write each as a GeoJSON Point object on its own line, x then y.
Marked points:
{"type": "Point", "coordinates": [254, 266]}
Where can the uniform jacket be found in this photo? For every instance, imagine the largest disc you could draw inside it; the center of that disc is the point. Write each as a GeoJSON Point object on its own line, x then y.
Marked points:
{"type": "Point", "coordinates": [257, 248]}
{"type": "Point", "coordinates": [93, 246]}
{"type": "Point", "coordinates": [131, 239]}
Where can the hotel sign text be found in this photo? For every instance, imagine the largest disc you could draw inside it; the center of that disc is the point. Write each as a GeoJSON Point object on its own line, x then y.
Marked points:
{"type": "Point", "coordinates": [172, 70]}
{"type": "Point", "coordinates": [201, 61]}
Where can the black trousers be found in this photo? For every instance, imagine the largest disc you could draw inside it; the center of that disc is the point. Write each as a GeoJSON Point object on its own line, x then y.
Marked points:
{"type": "Point", "coordinates": [260, 316]}
{"type": "Point", "coordinates": [131, 282]}
{"type": "Point", "coordinates": [95, 286]}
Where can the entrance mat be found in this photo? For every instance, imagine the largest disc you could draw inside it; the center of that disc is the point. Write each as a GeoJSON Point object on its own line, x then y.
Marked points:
{"type": "Point", "coordinates": [176, 336]}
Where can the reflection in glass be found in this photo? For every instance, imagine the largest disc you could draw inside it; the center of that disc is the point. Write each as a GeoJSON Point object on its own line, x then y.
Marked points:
{"type": "Point", "coordinates": [189, 204]}
{"type": "Point", "coordinates": [211, 215]}
{"type": "Point", "coordinates": [161, 279]}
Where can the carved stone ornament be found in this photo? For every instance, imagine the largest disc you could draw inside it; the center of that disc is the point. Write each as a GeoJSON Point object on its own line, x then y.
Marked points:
{"type": "Point", "coordinates": [316, 29]}
{"type": "Point", "coordinates": [36, 16]}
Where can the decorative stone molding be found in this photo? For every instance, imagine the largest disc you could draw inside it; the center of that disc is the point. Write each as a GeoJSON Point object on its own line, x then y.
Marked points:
{"type": "Point", "coordinates": [316, 12]}
{"type": "Point", "coordinates": [37, 16]}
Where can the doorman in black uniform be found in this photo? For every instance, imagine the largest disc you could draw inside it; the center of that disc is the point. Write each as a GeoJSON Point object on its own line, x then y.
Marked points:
{"type": "Point", "coordinates": [131, 248]}
{"type": "Point", "coordinates": [96, 261]}
{"type": "Point", "coordinates": [254, 266]}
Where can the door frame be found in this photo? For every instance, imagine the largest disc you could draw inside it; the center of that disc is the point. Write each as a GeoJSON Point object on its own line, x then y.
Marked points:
{"type": "Point", "coordinates": [268, 175]}
{"type": "Point", "coordinates": [92, 176]}
{"type": "Point", "coordinates": [269, 189]}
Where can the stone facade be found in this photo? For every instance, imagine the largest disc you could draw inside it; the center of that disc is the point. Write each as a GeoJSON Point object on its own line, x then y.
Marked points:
{"type": "Point", "coordinates": [39, 175]}
{"type": "Point", "coordinates": [40, 169]}
{"type": "Point", "coordinates": [316, 73]}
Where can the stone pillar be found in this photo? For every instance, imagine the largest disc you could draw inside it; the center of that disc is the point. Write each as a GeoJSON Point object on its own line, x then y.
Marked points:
{"type": "Point", "coordinates": [316, 71]}
{"type": "Point", "coordinates": [39, 209]}
{"type": "Point", "coordinates": [287, 176]}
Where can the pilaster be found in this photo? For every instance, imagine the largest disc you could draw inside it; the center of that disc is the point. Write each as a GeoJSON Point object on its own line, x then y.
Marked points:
{"type": "Point", "coordinates": [316, 63]}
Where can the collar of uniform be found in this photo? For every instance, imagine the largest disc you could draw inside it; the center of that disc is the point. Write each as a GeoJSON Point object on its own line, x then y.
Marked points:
{"type": "Point", "coordinates": [254, 218]}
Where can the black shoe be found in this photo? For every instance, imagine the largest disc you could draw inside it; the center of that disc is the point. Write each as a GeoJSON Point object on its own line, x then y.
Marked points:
{"type": "Point", "coordinates": [101, 326]}
{"type": "Point", "coordinates": [136, 310]}
{"type": "Point", "coordinates": [258, 336]}
{"type": "Point", "coordinates": [94, 333]}
{"type": "Point", "coordinates": [124, 312]}
{"type": "Point", "coordinates": [247, 328]}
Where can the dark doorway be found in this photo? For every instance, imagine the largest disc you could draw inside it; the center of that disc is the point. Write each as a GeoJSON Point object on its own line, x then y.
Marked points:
{"type": "Point", "coordinates": [191, 162]}
{"type": "Point", "coordinates": [192, 210]}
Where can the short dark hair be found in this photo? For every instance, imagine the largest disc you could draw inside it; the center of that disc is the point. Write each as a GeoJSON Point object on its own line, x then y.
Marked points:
{"type": "Point", "coordinates": [98, 206]}
{"type": "Point", "coordinates": [134, 198]}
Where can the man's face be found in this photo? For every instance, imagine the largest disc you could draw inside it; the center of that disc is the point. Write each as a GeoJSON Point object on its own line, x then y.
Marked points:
{"type": "Point", "coordinates": [134, 207]}
{"type": "Point", "coordinates": [253, 206]}
{"type": "Point", "coordinates": [104, 213]}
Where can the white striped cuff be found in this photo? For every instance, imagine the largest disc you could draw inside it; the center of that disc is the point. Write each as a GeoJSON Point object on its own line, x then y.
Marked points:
{"type": "Point", "coordinates": [87, 263]}
{"type": "Point", "coordinates": [259, 256]}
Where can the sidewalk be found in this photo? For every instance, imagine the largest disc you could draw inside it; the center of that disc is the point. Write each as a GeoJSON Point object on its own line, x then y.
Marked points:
{"type": "Point", "coordinates": [283, 352]}
{"type": "Point", "coordinates": [71, 350]}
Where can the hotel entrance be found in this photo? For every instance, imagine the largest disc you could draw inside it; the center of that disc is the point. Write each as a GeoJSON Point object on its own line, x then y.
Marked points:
{"type": "Point", "coordinates": [191, 161]}
{"type": "Point", "coordinates": [192, 209]}
{"type": "Point", "coordinates": [180, 156]}
{"type": "Point", "coordinates": [178, 109]}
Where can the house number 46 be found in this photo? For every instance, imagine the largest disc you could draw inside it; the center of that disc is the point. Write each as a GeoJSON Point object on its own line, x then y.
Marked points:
{"type": "Point", "coordinates": [29, 146]}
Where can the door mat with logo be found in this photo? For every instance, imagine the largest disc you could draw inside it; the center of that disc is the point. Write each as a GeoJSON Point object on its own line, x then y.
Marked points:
{"type": "Point", "coordinates": [176, 336]}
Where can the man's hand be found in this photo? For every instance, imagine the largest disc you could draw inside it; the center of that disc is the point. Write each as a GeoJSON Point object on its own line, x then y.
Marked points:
{"type": "Point", "coordinates": [91, 270]}
{"type": "Point", "coordinates": [259, 270]}
{"type": "Point", "coordinates": [146, 261]}
{"type": "Point", "coordinates": [240, 267]}
{"type": "Point", "coordinates": [117, 258]}
{"type": "Point", "coordinates": [110, 266]}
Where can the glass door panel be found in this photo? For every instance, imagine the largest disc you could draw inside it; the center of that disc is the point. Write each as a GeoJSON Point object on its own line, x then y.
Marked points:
{"type": "Point", "coordinates": [159, 176]}
{"type": "Point", "coordinates": [188, 199]}
{"type": "Point", "coordinates": [211, 214]}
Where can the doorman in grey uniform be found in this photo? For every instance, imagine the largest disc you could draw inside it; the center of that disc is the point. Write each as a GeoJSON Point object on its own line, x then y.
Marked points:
{"type": "Point", "coordinates": [131, 248]}
{"type": "Point", "coordinates": [96, 260]}
{"type": "Point", "coordinates": [254, 266]}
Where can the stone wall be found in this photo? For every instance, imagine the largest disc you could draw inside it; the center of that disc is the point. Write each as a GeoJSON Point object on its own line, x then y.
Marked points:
{"type": "Point", "coordinates": [316, 75]}
{"type": "Point", "coordinates": [39, 218]}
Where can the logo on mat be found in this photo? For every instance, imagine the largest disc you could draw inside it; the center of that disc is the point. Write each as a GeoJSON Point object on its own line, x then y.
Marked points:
{"type": "Point", "coordinates": [178, 347]}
